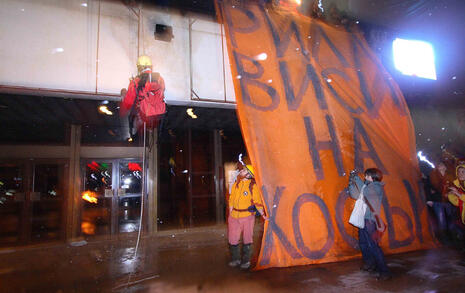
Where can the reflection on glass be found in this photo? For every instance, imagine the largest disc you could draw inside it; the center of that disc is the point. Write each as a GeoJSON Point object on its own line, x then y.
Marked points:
{"type": "Point", "coordinates": [202, 184]}
{"type": "Point", "coordinates": [11, 183]}
{"type": "Point", "coordinates": [187, 193]}
{"type": "Point", "coordinates": [48, 180]}
{"type": "Point", "coordinates": [93, 134]}
{"type": "Point", "coordinates": [98, 177]}
{"type": "Point", "coordinates": [131, 177]}
{"type": "Point", "coordinates": [129, 214]}
{"type": "Point", "coordinates": [47, 194]}
{"type": "Point", "coordinates": [173, 211]}
{"type": "Point", "coordinates": [96, 199]}
{"type": "Point", "coordinates": [11, 203]}
{"type": "Point", "coordinates": [130, 183]}
{"type": "Point", "coordinates": [204, 210]}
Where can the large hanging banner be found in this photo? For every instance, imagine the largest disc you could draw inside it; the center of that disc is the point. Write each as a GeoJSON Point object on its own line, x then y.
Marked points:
{"type": "Point", "coordinates": [314, 102]}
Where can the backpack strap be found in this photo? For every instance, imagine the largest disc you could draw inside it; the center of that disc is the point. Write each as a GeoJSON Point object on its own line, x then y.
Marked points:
{"type": "Point", "coordinates": [136, 100]}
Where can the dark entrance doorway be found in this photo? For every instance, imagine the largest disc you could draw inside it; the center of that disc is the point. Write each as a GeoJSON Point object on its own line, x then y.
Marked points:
{"type": "Point", "coordinates": [33, 198]}
{"type": "Point", "coordinates": [192, 156]}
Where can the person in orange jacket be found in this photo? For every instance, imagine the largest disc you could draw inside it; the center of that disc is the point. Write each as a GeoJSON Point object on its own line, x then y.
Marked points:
{"type": "Point", "coordinates": [244, 201]}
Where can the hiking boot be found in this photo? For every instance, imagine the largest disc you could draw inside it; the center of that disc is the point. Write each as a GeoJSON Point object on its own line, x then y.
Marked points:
{"type": "Point", "coordinates": [235, 255]}
{"type": "Point", "coordinates": [234, 263]}
{"type": "Point", "coordinates": [246, 256]}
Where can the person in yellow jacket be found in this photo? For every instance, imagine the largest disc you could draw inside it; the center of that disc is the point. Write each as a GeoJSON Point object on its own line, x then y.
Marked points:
{"type": "Point", "coordinates": [456, 192]}
{"type": "Point", "coordinates": [244, 201]}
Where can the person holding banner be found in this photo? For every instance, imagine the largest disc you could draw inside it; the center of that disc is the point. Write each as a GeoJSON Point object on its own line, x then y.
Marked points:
{"type": "Point", "coordinates": [370, 232]}
{"type": "Point", "coordinates": [244, 202]}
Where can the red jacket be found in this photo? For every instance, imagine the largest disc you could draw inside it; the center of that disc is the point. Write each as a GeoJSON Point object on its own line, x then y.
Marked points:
{"type": "Point", "coordinates": [150, 99]}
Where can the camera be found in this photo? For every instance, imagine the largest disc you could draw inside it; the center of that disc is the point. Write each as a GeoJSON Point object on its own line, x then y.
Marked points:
{"type": "Point", "coordinates": [353, 173]}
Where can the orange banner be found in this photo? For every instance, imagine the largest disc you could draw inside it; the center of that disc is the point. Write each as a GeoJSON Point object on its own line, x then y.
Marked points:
{"type": "Point", "coordinates": [314, 102]}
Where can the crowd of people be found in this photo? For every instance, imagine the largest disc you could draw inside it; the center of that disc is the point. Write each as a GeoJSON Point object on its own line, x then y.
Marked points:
{"type": "Point", "coordinates": [444, 187]}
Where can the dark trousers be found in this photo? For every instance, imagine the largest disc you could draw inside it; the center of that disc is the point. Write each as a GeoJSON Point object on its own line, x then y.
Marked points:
{"type": "Point", "coordinates": [371, 252]}
{"type": "Point", "coordinates": [446, 215]}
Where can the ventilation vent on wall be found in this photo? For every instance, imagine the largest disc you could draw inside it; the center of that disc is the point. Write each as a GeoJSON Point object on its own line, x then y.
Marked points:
{"type": "Point", "coordinates": [163, 32]}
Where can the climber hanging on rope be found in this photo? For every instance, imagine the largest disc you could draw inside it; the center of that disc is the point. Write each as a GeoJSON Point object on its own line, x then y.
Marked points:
{"type": "Point", "coordinates": [143, 101]}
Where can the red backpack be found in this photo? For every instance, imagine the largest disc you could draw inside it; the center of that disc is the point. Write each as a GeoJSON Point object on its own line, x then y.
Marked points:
{"type": "Point", "coordinates": [148, 102]}
{"type": "Point", "coordinates": [152, 104]}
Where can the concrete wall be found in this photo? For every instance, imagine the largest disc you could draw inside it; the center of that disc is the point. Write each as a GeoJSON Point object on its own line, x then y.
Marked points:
{"type": "Point", "coordinates": [92, 46]}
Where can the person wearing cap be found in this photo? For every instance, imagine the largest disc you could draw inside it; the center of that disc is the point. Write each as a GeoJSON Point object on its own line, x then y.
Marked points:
{"type": "Point", "coordinates": [244, 201]}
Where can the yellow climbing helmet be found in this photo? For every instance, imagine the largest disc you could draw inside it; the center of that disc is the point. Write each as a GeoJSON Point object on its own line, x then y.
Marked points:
{"type": "Point", "coordinates": [250, 169]}
{"type": "Point", "coordinates": [461, 164]}
{"type": "Point", "coordinates": [144, 61]}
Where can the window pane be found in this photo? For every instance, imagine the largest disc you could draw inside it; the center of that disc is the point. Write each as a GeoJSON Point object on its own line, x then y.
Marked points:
{"type": "Point", "coordinates": [204, 211]}
{"type": "Point", "coordinates": [47, 202]}
{"type": "Point", "coordinates": [11, 183]}
{"type": "Point", "coordinates": [49, 181]}
{"type": "Point", "coordinates": [202, 151]}
{"type": "Point", "coordinates": [93, 134]}
{"type": "Point", "coordinates": [173, 211]}
{"type": "Point", "coordinates": [202, 184]}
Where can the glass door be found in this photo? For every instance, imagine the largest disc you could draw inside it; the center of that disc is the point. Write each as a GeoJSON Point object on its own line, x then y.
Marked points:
{"type": "Point", "coordinates": [129, 195]}
{"type": "Point", "coordinates": [32, 197]}
{"type": "Point", "coordinates": [47, 201]}
{"type": "Point", "coordinates": [97, 198]}
{"type": "Point", "coordinates": [111, 199]}
{"type": "Point", "coordinates": [12, 203]}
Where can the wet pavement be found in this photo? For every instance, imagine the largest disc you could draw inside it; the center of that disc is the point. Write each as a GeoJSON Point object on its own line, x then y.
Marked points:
{"type": "Point", "coordinates": [196, 261]}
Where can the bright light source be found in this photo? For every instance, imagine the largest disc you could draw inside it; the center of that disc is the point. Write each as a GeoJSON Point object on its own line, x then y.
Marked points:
{"type": "Point", "coordinates": [90, 196]}
{"type": "Point", "coordinates": [57, 50]}
{"type": "Point", "coordinates": [190, 112]}
{"type": "Point", "coordinates": [320, 5]}
{"type": "Point", "coordinates": [414, 58]}
{"type": "Point", "coordinates": [261, 56]}
{"type": "Point", "coordinates": [104, 109]}
{"type": "Point", "coordinates": [84, 4]}
{"type": "Point", "coordinates": [424, 159]}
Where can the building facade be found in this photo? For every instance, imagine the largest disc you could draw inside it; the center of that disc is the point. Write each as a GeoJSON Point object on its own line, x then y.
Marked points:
{"type": "Point", "coordinates": [67, 170]}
